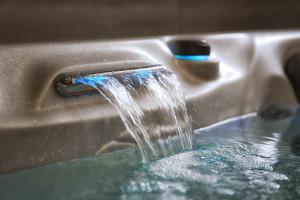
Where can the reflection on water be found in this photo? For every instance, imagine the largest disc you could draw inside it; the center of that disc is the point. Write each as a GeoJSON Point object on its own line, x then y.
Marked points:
{"type": "Point", "coordinates": [244, 158]}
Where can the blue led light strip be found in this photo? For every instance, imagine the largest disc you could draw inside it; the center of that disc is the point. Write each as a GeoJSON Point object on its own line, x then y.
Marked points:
{"type": "Point", "coordinates": [192, 57]}
{"type": "Point", "coordinates": [91, 80]}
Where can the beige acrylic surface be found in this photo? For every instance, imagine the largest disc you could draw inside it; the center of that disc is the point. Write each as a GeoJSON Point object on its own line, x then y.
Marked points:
{"type": "Point", "coordinates": [38, 126]}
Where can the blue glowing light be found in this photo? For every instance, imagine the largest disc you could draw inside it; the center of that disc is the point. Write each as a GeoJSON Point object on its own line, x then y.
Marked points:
{"type": "Point", "coordinates": [91, 80]}
{"type": "Point", "coordinates": [141, 75]}
{"type": "Point", "coordinates": [96, 80]}
{"type": "Point", "coordinates": [192, 57]}
{"type": "Point", "coordinates": [144, 74]}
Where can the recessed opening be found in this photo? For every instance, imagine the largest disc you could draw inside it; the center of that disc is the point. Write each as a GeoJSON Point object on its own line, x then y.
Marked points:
{"type": "Point", "coordinates": [190, 50]}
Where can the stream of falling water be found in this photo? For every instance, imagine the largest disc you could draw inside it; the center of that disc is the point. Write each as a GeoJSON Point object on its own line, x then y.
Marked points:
{"type": "Point", "coordinates": [152, 108]}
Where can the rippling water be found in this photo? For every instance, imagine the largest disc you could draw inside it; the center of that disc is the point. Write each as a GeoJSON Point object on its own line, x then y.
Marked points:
{"type": "Point", "coordinates": [243, 158]}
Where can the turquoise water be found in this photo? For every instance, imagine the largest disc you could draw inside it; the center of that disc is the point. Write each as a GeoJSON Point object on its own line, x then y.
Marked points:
{"type": "Point", "coordinates": [243, 158]}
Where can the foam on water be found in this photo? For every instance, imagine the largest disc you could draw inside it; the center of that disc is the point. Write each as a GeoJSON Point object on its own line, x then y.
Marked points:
{"type": "Point", "coordinates": [244, 158]}
{"type": "Point", "coordinates": [128, 93]}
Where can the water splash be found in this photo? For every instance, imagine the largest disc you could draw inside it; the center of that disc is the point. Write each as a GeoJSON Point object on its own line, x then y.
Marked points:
{"type": "Point", "coordinates": [151, 106]}
{"type": "Point", "coordinates": [241, 158]}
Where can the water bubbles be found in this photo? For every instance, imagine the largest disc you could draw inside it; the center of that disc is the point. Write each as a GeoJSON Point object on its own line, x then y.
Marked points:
{"type": "Point", "coordinates": [225, 191]}
{"type": "Point", "coordinates": [228, 161]}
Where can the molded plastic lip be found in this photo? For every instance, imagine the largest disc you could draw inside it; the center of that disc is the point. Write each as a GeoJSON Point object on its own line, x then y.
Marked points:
{"type": "Point", "coordinates": [67, 84]}
{"type": "Point", "coordinates": [196, 58]}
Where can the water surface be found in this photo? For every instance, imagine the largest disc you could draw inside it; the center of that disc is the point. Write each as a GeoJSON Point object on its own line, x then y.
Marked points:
{"type": "Point", "coordinates": [243, 158]}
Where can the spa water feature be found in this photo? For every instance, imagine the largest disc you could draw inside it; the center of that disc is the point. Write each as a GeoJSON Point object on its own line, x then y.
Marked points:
{"type": "Point", "coordinates": [61, 138]}
{"type": "Point", "coordinates": [149, 99]}
{"type": "Point", "coordinates": [158, 86]}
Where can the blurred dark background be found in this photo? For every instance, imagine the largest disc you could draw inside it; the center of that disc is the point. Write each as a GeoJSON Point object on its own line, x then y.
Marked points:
{"type": "Point", "coordinates": [64, 20]}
